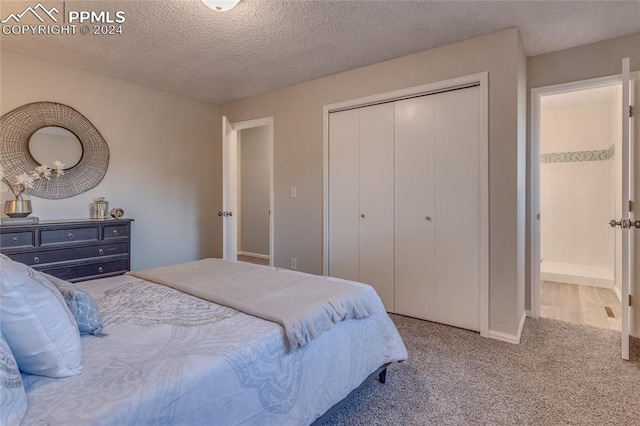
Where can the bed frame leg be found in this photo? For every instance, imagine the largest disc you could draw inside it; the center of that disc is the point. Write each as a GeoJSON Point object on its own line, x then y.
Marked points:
{"type": "Point", "coordinates": [383, 376]}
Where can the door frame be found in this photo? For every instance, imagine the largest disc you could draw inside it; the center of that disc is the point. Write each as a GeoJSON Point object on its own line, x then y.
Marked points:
{"type": "Point", "coordinates": [482, 79]}
{"type": "Point", "coordinates": [534, 165]}
{"type": "Point", "coordinates": [244, 125]}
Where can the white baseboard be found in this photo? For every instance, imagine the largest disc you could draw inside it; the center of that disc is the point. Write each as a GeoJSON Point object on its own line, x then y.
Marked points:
{"type": "Point", "coordinates": [260, 256]}
{"type": "Point", "coordinates": [521, 326]}
{"type": "Point", "coordinates": [617, 293]}
{"type": "Point", "coordinates": [592, 276]}
{"type": "Point", "coordinates": [509, 338]}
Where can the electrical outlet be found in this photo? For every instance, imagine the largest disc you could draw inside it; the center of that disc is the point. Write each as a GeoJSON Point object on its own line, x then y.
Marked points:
{"type": "Point", "coordinates": [294, 192]}
{"type": "Point", "coordinates": [294, 264]}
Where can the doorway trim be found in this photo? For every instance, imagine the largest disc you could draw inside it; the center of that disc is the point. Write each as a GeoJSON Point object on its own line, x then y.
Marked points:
{"type": "Point", "coordinates": [250, 124]}
{"type": "Point", "coordinates": [534, 165]}
{"type": "Point", "coordinates": [482, 79]}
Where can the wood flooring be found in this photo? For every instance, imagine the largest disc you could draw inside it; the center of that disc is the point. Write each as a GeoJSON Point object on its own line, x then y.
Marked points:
{"type": "Point", "coordinates": [580, 304]}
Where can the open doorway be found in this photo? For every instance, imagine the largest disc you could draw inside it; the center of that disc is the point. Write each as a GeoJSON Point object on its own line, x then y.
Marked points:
{"type": "Point", "coordinates": [620, 239]}
{"type": "Point", "coordinates": [247, 191]}
{"type": "Point", "coordinates": [254, 169]}
{"type": "Point", "coordinates": [580, 191]}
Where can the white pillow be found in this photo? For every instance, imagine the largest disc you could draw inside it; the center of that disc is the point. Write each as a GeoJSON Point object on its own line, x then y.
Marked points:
{"type": "Point", "coordinates": [37, 323]}
{"type": "Point", "coordinates": [13, 401]}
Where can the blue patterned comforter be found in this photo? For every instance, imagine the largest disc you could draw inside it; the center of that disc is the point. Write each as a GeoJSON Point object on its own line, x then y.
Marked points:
{"type": "Point", "coordinates": [171, 358]}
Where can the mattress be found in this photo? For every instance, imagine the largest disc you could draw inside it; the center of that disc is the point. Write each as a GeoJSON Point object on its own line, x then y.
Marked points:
{"type": "Point", "coordinates": [172, 358]}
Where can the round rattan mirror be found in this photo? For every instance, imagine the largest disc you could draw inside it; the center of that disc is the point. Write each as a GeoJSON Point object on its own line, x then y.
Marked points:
{"type": "Point", "coordinates": [18, 126]}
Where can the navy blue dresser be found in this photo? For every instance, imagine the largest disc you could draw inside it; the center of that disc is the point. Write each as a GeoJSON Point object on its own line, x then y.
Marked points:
{"type": "Point", "coordinates": [77, 250]}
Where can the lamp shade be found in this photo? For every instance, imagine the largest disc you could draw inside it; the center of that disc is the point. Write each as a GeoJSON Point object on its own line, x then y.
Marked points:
{"type": "Point", "coordinates": [221, 5]}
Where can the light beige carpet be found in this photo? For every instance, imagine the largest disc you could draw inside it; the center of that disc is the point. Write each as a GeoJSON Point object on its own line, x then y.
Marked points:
{"type": "Point", "coordinates": [561, 374]}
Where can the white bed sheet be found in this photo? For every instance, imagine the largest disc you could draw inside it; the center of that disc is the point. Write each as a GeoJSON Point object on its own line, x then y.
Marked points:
{"type": "Point", "coordinates": [173, 359]}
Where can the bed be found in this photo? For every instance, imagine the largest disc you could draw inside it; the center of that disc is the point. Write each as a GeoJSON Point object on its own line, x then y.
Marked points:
{"type": "Point", "coordinates": [168, 357]}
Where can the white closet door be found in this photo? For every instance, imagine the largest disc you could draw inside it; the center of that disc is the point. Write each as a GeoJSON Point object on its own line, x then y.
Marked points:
{"type": "Point", "coordinates": [457, 208]}
{"type": "Point", "coordinates": [344, 186]}
{"type": "Point", "coordinates": [376, 200]}
{"type": "Point", "coordinates": [414, 207]}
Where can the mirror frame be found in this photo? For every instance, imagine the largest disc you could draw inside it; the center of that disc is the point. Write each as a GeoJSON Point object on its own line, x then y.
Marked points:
{"type": "Point", "coordinates": [16, 129]}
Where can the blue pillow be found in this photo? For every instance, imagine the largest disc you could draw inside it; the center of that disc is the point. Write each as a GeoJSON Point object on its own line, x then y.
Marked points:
{"type": "Point", "coordinates": [83, 307]}
{"type": "Point", "coordinates": [37, 323]}
{"type": "Point", "coordinates": [13, 400]}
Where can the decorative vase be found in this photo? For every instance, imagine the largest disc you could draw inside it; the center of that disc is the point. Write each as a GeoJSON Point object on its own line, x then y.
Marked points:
{"type": "Point", "coordinates": [19, 206]}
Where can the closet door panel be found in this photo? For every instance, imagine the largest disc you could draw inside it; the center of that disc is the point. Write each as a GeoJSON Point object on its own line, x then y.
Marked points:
{"type": "Point", "coordinates": [414, 192]}
{"type": "Point", "coordinates": [457, 208]}
{"type": "Point", "coordinates": [344, 186]}
{"type": "Point", "coordinates": [376, 200]}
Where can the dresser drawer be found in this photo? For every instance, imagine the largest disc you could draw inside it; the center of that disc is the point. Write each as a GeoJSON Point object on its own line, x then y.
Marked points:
{"type": "Point", "coordinates": [17, 239]}
{"type": "Point", "coordinates": [60, 255]}
{"type": "Point", "coordinates": [89, 270]}
{"type": "Point", "coordinates": [68, 235]}
{"type": "Point", "coordinates": [75, 250]}
{"type": "Point", "coordinates": [116, 231]}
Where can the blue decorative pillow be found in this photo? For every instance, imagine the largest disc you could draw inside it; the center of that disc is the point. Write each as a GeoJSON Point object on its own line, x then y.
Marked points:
{"type": "Point", "coordinates": [83, 307]}
{"type": "Point", "coordinates": [13, 401]}
{"type": "Point", "coordinates": [37, 324]}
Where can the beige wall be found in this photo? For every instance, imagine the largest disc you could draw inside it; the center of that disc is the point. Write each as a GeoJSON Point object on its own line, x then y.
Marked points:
{"type": "Point", "coordinates": [585, 62]}
{"type": "Point", "coordinates": [164, 167]}
{"type": "Point", "coordinates": [298, 120]}
{"type": "Point", "coordinates": [254, 183]}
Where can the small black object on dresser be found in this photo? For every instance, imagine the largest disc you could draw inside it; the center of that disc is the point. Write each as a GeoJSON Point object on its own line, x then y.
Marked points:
{"type": "Point", "coordinates": [77, 250]}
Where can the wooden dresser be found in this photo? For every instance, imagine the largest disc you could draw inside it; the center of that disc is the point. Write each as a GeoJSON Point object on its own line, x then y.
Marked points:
{"type": "Point", "coordinates": [77, 250]}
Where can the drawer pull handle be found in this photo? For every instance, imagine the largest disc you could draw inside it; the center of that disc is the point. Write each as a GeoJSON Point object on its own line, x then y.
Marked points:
{"type": "Point", "coordinates": [115, 232]}
{"type": "Point", "coordinates": [14, 240]}
{"type": "Point", "coordinates": [100, 269]}
{"type": "Point", "coordinates": [100, 251]}
{"type": "Point", "coordinates": [70, 236]}
{"type": "Point", "coordinates": [36, 260]}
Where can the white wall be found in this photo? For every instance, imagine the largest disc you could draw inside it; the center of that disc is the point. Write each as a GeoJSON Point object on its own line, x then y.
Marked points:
{"type": "Point", "coordinates": [585, 62]}
{"type": "Point", "coordinates": [254, 190]}
{"type": "Point", "coordinates": [297, 112]}
{"type": "Point", "coordinates": [164, 168]}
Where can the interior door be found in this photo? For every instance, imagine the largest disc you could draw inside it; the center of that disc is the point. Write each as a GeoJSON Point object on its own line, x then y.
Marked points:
{"type": "Point", "coordinates": [414, 207]}
{"type": "Point", "coordinates": [344, 186]}
{"type": "Point", "coordinates": [376, 200]}
{"type": "Point", "coordinates": [627, 221]}
{"type": "Point", "coordinates": [229, 191]}
{"type": "Point", "coordinates": [457, 208]}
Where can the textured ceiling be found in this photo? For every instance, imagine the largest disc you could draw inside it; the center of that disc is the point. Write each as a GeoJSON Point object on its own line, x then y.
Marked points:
{"type": "Point", "coordinates": [184, 47]}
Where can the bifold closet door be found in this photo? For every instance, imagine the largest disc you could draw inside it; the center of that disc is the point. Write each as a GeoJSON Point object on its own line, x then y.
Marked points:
{"type": "Point", "coordinates": [361, 198]}
{"type": "Point", "coordinates": [457, 208]}
{"type": "Point", "coordinates": [344, 190]}
{"type": "Point", "coordinates": [376, 200]}
{"type": "Point", "coordinates": [414, 207]}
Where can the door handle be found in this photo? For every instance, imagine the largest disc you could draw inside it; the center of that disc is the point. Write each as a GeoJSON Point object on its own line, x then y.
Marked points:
{"type": "Point", "coordinates": [625, 223]}
{"type": "Point", "coordinates": [225, 214]}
